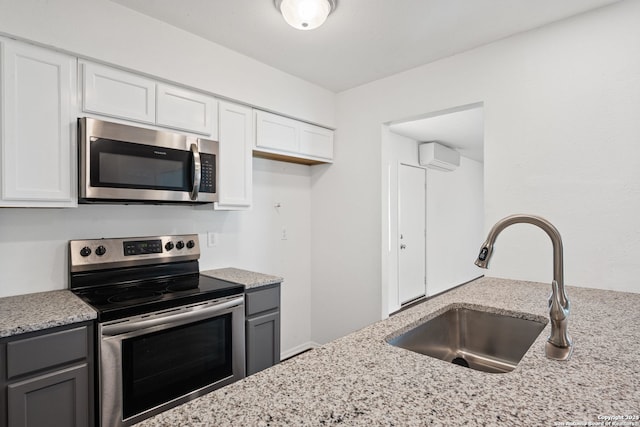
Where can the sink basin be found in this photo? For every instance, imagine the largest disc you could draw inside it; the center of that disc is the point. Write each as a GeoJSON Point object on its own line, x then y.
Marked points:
{"type": "Point", "coordinates": [474, 339]}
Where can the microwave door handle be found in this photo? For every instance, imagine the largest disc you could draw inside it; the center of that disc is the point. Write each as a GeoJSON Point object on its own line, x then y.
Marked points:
{"type": "Point", "coordinates": [197, 171]}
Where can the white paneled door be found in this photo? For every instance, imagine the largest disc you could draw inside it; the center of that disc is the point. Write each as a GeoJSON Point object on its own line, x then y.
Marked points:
{"type": "Point", "coordinates": [411, 232]}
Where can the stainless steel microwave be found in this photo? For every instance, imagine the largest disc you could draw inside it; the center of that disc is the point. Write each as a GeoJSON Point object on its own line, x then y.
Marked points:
{"type": "Point", "coordinates": [126, 164]}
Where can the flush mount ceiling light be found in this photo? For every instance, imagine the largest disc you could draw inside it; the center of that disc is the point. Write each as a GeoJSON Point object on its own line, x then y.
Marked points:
{"type": "Point", "coordinates": [305, 14]}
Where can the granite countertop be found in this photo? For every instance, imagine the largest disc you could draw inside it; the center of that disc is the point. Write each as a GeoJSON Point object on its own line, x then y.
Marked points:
{"type": "Point", "coordinates": [361, 380]}
{"type": "Point", "coordinates": [33, 312]}
{"type": "Point", "coordinates": [247, 278]}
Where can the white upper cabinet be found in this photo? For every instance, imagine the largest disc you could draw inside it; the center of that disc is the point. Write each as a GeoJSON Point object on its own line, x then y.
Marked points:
{"type": "Point", "coordinates": [116, 93]}
{"type": "Point", "coordinates": [38, 166]}
{"type": "Point", "coordinates": [235, 166]}
{"type": "Point", "coordinates": [184, 109]}
{"type": "Point", "coordinates": [316, 141]}
{"type": "Point", "coordinates": [276, 132]}
{"type": "Point", "coordinates": [282, 138]}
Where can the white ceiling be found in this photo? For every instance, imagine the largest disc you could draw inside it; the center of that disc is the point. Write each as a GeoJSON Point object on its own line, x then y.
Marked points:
{"type": "Point", "coordinates": [462, 130]}
{"type": "Point", "coordinates": [363, 40]}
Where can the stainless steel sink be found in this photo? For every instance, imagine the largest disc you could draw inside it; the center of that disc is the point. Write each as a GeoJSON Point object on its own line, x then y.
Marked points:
{"type": "Point", "coordinates": [474, 339]}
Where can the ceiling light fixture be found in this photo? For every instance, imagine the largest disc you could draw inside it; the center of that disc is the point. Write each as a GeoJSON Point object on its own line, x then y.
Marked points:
{"type": "Point", "coordinates": [305, 14]}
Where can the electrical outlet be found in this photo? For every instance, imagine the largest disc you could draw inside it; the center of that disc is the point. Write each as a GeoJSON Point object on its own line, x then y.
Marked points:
{"type": "Point", "coordinates": [212, 239]}
{"type": "Point", "coordinates": [283, 234]}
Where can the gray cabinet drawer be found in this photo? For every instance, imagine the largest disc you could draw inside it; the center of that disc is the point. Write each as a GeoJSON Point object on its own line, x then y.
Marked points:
{"type": "Point", "coordinates": [41, 352]}
{"type": "Point", "coordinates": [262, 300]}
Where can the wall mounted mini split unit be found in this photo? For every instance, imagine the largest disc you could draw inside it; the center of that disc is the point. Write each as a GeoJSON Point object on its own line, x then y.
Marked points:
{"type": "Point", "coordinates": [437, 156]}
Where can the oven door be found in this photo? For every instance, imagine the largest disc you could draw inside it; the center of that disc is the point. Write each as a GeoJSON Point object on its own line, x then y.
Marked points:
{"type": "Point", "coordinates": [153, 362]}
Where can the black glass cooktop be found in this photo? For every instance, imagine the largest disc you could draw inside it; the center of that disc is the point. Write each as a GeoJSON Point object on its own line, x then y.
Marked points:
{"type": "Point", "coordinates": [145, 296]}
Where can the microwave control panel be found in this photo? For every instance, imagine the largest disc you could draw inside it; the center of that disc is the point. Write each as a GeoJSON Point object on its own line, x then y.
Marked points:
{"type": "Point", "coordinates": [208, 174]}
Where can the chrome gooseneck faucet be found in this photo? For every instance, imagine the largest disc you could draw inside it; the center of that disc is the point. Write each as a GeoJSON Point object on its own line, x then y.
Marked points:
{"type": "Point", "coordinates": [559, 345]}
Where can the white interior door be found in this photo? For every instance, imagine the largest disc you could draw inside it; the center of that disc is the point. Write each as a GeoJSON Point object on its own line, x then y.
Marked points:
{"type": "Point", "coordinates": [411, 232]}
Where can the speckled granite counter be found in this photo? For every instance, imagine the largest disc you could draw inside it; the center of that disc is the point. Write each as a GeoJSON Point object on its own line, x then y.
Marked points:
{"type": "Point", "coordinates": [33, 312]}
{"type": "Point", "coordinates": [247, 278]}
{"type": "Point", "coordinates": [361, 380]}
{"type": "Point", "coordinates": [42, 310]}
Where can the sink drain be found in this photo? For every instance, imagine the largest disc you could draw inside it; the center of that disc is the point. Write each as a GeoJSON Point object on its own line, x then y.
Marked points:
{"type": "Point", "coordinates": [460, 361]}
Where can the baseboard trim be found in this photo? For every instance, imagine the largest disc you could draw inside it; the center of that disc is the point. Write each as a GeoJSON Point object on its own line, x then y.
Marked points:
{"type": "Point", "coordinates": [422, 299]}
{"type": "Point", "coordinates": [289, 353]}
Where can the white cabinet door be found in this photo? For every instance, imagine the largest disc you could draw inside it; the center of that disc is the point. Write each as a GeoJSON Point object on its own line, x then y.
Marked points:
{"type": "Point", "coordinates": [281, 138]}
{"type": "Point", "coordinates": [316, 141]}
{"type": "Point", "coordinates": [184, 109]}
{"type": "Point", "coordinates": [38, 130]}
{"type": "Point", "coordinates": [235, 163]}
{"type": "Point", "coordinates": [117, 93]}
{"type": "Point", "coordinates": [276, 132]}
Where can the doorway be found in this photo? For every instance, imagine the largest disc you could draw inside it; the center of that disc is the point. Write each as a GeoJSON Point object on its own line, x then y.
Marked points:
{"type": "Point", "coordinates": [453, 201]}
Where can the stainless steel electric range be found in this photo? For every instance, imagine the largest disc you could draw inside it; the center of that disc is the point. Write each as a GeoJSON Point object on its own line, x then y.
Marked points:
{"type": "Point", "coordinates": [166, 334]}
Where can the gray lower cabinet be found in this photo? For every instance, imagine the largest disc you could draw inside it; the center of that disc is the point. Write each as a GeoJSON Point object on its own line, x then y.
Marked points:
{"type": "Point", "coordinates": [47, 378]}
{"type": "Point", "coordinates": [262, 327]}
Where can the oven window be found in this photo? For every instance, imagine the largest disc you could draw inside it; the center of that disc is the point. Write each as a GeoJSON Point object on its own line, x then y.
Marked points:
{"type": "Point", "coordinates": [128, 165]}
{"type": "Point", "coordinates": [165, 365]}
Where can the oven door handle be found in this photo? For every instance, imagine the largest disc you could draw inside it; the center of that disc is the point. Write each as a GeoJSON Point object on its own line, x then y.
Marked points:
{"type": "Point", "coordinates": [192, 315]}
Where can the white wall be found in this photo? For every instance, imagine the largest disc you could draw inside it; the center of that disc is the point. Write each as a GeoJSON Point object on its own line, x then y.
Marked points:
{"type": "Point", "coordinates": [108, 32]}
{"type": "Point", "coordinates": [455, 225]}
{"type": "Point", "coordinates": [561, 140]}
{"type": "Point", "coordinates": [34, 242]}
{"type": "Point", "coordinates": [454, 220]}
{"type": "Point", "coordinates": [561, 129]}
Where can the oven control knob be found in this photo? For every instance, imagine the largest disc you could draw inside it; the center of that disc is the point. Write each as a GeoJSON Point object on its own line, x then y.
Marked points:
{"type": "Point", "coordinates": [86, 251]}
{"type": "Point", "coordinates": [168, 246]}
{"type": "Point", "coordinates": [191, 244]}
{"type": "Point", "coordinates": [180, 245]}
{"type": "Point", "coordinates": [101, 250]}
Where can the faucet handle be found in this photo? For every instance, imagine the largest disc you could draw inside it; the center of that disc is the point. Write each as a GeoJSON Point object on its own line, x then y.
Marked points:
{"type": "Point", "coordinates": [557, 309]}
{"type": "Point", "coordinates": [559, 345]}
{"type": "Point", "coordinates": [560, 295]}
